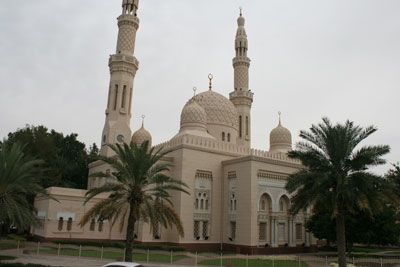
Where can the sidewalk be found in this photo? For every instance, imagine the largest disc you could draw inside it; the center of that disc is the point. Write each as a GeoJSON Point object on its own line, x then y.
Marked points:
{"type": "Point", "coordinates": [64, 261]}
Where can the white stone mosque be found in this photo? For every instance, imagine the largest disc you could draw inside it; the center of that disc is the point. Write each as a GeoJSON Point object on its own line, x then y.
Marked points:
{"type": "Point", "coordinates": [237, 198]}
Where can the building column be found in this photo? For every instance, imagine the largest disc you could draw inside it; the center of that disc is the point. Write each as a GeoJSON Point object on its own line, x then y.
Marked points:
{"type": "Point", "coordinates": [307, 239]}
{"type": "Point", "coordinates": [201, 229]}
{"type": "Point", "coordinates": [274, 238]}
{"type": "Point", "coordinates": [290, 224]}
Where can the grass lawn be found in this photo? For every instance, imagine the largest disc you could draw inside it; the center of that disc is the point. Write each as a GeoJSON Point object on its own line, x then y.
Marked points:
{"type": "Point", "coordinates": [367, 250]}
{"type": "Point", "coordinates": [112, 255]}
{"type": "Point", "coordinates": [254, 263]}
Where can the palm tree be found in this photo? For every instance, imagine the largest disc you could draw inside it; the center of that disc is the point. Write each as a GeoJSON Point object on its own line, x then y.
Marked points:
{"type": "Point", "coordinates": [336, 173]}
{"type": "Point", "coordinates": [139, 191]}
{"type": "Point", "coordinates": [19, 182]}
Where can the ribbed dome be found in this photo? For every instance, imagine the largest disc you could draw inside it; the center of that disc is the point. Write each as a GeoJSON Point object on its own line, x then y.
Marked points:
{"type": "Point", "coordinates": [193, 113]}
{"type": "Point", "coordinates": [280, 139]}
{"type": "Point", "coordinates": [218, 108]}
{"type": "Point", "coordinates": [140, 136]}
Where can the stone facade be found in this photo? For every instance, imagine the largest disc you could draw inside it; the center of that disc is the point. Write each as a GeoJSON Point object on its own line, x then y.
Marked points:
{"type": "Point", "coordinates": [237, 197]}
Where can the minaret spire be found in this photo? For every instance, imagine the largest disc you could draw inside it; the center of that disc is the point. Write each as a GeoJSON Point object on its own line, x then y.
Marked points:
{"type": "Point", "coordinates": [123, 66]}
{"type": "Point", "coordinates": [242, 97]}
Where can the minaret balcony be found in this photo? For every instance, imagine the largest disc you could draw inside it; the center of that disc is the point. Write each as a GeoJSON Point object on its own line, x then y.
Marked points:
{"type": "Point", "coordinates": [241, 93]}
{"type": "Point", "coordinates": [122, 62]}
{"type": "Point", "coordinates": [240, 59]}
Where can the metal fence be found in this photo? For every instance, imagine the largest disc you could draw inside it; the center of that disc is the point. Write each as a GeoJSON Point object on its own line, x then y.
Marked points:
{"type": "Point", "coordinates": [162, 257]}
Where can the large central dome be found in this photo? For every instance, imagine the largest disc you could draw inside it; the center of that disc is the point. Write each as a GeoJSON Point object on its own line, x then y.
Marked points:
{"type": "Point", "coordinates": [218, 108]}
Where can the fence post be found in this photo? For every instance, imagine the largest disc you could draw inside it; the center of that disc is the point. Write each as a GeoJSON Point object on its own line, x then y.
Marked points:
{"type": "Point", "coordinates": [171, 256]}
{"type": "Point", "coordinates": [59, 248]}
{"type": "Point", "coordinates": [80, 251]}
{"type": "Point", "coordinates": [38, 248]}
{"type": "Point", "coordinates": [221, 259]}
{"type": "Point", "coordinates": [124, 253]}
{"type": "Point", "coordinates": [148, 251]}
{"type": "Point", "coordinates": [195, 263]}
{"type": "Point", "coordinates": [381, 262]}
{"type": "Point", "coordinates": [299, 261]}
{"type": "Point", "coordinates": [353, 260]}
{"type": "Point", "coordinates": [326, 261]}
{"type": "Point", "coordinates": [102, 251]}
{"type": "Point", "coordinates": [273, 262]}
{"type": "Point", "coordinates": [247, 260]}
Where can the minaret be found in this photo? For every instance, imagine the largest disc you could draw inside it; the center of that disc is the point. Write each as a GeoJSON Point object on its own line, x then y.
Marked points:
{"type": "Point", "coordinates": [242, 97]}
{"type": "Point", "coordinates": [123, 66]}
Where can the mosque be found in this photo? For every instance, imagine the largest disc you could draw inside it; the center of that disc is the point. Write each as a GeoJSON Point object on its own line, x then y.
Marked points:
{"type": "Point", "coordinates": [237, 198]}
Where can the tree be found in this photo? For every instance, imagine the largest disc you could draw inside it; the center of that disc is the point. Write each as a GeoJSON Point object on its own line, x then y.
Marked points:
{"type": "Point", "coordinates": [337, 174]}
{"type": "Point", "coordinates": [139, 191]}
{"type": "Point", "coordinates": [65, 157]}
{"type": "Point", "coordinates": [18, 180]}
{"type": "Point", "coordinates": [361, 228]}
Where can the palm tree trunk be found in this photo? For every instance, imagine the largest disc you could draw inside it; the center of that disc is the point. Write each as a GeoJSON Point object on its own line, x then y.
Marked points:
{"type": "Point", "coordinates": [130, 234]}
{"type": "Point", "coordinates": [341, 237]}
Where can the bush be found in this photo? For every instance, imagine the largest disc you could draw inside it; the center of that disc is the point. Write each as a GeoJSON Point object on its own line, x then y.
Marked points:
{"type": "Point", "coordinates": [6, 258]}
{"type": "Point", "coordinates": [118, 245]}
{"type": "Point", "coordinates": [16, 237]}
{"type": "Point", "coordinates": [21, 265]}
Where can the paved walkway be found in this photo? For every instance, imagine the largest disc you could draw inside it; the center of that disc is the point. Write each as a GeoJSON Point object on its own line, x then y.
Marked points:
{"type": "Point", "coordinates": [64, 261]}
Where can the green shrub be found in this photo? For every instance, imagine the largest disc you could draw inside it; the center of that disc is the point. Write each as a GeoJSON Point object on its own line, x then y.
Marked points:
{"type": "Point", "coordinates": [118, 245]}
{"type": "Point", "coordinates": [6, 258]}
{"type": "Point", "coordinates": [21, 265]}
{"type": "Point", "coordinates": [16, 237]}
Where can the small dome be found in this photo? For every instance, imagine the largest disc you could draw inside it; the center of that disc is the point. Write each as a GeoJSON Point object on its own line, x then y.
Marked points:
{"type": "Point", "coordinates": [193, 113]}
{"type": "Point", "coordinates": [219, 109]}
{"type": "Point", "coordinates": [140, 136]}
{"type": "Point", "coordinates": [280, 139]}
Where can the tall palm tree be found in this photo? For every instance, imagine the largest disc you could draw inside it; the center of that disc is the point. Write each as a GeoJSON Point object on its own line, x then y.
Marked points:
{"type": "Point", "coordinates": [140, 190]}
{"type": "Point", "coordinates": [336, 173]}
{"type": "Point", "coordinates": [19, 182]}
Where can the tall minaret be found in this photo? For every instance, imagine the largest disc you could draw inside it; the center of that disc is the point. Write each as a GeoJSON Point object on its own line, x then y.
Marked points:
{"type": "Point", "coordinates": [123, 66]}
{"type": "Point", "coordinates": [242, 97]}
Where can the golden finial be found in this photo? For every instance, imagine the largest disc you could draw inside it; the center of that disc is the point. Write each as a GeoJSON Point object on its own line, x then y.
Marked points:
{"type": "Point", "coordinates": [279, 114]}
{"type": "Point", "coordinates": [143, 116]}
{"type": "Point", "coordinates": [194, 94]}
{"type": "Point", "coordinates": [240, 10]}
{"type": "Point", "coordinates": [210, 77]}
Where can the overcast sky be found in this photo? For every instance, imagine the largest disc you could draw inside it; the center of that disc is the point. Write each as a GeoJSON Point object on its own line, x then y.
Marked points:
{"type": "Point", "coordinates": [310, 59]}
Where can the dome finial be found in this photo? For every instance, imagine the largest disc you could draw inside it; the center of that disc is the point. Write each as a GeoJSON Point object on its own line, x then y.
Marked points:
{"type": "Point", "coordinates": [241, 9]}
{"type": "Point", "coordinates": [143, 116]}
{"type": "Point", "coordinates": [194, 94]}
{"type": "Point", "coordinates": [279, 114]}
{"type": "Point", "coordinates": [210, 77]}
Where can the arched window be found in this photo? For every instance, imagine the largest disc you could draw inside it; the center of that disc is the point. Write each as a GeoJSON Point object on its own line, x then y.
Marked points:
{"type": "Point", "coordinates": [201, 204]}
{"type": "Point", "coordinates": [229, 137]}
{"type": "Point", "coordinates": [69, 224]}
{"type": "Point", "coordinates": [100, 225]}
{"type": "Point", "coordinates": [197, 203]}
{"type": "Point", "coordinates": [281, 205]}
{"type": "Point", "coordinates": [247, 126]}
{"type": "Point", "coordinates": [130, 101]}
{"type": "Point", "coordinates": [240, 126]}
{"type": "Point", "coordinates": [109, 95]}
{"type": "Point", "coordinates": [123, 97]}
{"type": "Point", "coordinates": [60, 223]}
{"type": "Point", "coordinates": [206, 204]}
{"type": "Point", "coordinates": [263, 204]}
{"type": "Point", "coordinates": [92, 224]}
{"type": "Point", "coordinates": [116, 97]}
{"type": "Point", "coordinates": [223, 136]}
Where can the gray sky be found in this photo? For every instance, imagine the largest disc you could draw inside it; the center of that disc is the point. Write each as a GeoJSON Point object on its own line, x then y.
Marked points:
{"type": "Point", "coordinates": [310, 59]}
